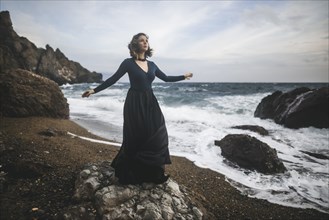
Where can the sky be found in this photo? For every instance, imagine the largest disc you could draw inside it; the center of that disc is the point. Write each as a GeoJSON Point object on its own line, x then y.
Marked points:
{"type": "Point", "coordinates": [218, 41]}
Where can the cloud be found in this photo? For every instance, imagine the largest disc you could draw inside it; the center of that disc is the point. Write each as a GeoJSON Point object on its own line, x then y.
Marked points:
{"type": "Point", "coordinates": [265, 37]}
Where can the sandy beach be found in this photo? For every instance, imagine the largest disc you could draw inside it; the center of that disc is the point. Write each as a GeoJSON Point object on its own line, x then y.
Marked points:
{"type": "Point", "coordinates": [58, 158]}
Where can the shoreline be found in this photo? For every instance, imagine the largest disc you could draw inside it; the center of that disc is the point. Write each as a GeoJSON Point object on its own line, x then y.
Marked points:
{"type": "Point", "coordinates": [52, 190]}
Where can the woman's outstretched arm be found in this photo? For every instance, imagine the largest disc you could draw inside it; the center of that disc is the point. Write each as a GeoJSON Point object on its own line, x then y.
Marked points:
{"type": "Point", "coordinates": [109, 82]}
{"type": "Point", "coordinates": [161, 75]}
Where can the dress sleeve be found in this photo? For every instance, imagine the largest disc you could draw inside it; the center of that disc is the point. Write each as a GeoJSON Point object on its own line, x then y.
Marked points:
{"type": "Point", "coordinates": [166, 78]}
{"type": "Point", "coordinates": [114, 78]}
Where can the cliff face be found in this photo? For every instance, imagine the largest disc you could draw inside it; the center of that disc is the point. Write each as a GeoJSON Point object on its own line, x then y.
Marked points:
{"type": "Point", "coordinates": [19, 52]}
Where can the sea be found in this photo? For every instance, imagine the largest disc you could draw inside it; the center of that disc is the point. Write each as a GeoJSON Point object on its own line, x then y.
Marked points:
{"type": "Point", "coordinates": [197, 114]}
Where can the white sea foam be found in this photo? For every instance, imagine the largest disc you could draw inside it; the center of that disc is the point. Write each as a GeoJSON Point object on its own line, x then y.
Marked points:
{"type": "Point", "coordinates": [95, 140]}
{"type": "Point", "coordinates": [194, 123]}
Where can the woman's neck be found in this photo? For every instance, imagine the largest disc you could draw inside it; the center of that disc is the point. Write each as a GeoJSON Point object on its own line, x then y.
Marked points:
{"type": "Point", "coordinates": [141, 57]}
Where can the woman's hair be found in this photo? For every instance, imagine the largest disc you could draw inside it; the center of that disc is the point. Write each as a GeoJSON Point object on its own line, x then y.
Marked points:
{"type": "Point", "coordinates": [134, 47]}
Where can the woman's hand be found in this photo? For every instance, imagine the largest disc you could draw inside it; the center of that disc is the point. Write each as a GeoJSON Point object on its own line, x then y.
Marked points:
{"type": "Point", "coordinates": [188, 75]}
{"type": "Point", "coordinates": [88, 93]}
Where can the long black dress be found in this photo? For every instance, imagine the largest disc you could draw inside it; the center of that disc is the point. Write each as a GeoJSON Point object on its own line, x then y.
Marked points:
{"type": "Point", "coordinates": [144, 148]}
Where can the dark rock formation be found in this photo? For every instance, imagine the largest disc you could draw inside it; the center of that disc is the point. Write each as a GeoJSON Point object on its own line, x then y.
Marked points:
{"type": "Point", "coordinates": [298, 108]}
{"type": "Point", "coordinates": [97, 191]}
{"type": "Point", "coordinates": [19, 52]}
{"type": "Point", "coordinates": [275, 104]}
{"type": "Point", "coordinates": [255, 128]}
{"type": "Point", "coordinates": [23, 94]}
{"type": "Point", "coordinates": [250, 153]}
{"type": "Point", "coordinates": [316, 155]}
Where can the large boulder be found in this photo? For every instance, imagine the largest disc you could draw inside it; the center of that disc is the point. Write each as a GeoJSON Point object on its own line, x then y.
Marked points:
{"type": "Point", "coordinates": [250, 153]}
{"type": "Point", "coordinates": [23, 94]}
{"type": "Point", "coordinates": [19, 52]}
{"type": "Point", "coordinates": [98, 193]}
{"type": "Point", "coordinates": [301, 107]}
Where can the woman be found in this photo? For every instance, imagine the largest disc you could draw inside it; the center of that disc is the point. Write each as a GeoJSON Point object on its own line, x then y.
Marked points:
{"type": "Point", "coordinates": [144, 150]}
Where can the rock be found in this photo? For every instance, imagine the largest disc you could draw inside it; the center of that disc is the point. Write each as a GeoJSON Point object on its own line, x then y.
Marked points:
{"type": "Point", "coordinates": [309, 109]}
{"type": "Point", "coordinates": [50, 132]}
{"type": "Point", "coordinates": [114, 201]}
{"type": "Point", "coordinates": [301, 107]}
{"type": "Point", "coordinates": [275, 104]}
{"type": "Point", "coordinates": [23, 94]}
{"type": "Point", "coordinates": [266, 108]}
{"type": "Point", "coordinates": [255, 128]}
{"type": "Point", "coordinates": [91, 178]}
{"type": "Point", "coordinates": [84, 211]}
{"type": "Point", "coordinates": [250, 153]}
{"type": "Point", "coordinates": [316, 155]}
{"type": "Point", "coordinates": [19, 52]}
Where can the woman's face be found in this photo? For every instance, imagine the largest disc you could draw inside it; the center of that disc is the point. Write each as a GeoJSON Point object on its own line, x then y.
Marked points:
{"type": "Point", "coordinates": [143, 43]}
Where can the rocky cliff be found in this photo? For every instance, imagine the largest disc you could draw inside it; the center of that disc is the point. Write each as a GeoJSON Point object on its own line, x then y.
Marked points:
{"type": "Point", "coordinates": [19, 52]}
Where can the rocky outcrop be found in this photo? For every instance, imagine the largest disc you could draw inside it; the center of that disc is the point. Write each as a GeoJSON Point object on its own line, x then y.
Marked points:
{"type": "Point", "coordinates": [24, 94]}
{"type": "Point", "coordinates": [250, 153]}
{"type": "Point", "coordinates": [298, 108]}
{"type": "Point", "coordinates": [255, 128]}
{"type": "Point", "coordinates": [99, 196]}
{"type": "Point", "coordinates": [19, 52]}
{"type": "Point", "coordinates": [316, 155]}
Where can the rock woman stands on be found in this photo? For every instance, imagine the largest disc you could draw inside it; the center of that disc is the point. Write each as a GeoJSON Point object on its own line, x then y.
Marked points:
{"type": "Point", "coordinates": [144, 151]}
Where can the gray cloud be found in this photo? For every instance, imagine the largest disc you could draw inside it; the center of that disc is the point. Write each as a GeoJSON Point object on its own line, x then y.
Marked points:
{"type": "Point", "coordinates": [218, 40]}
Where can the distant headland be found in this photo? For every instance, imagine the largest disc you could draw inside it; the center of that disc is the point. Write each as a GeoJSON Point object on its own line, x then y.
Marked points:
{"type": "Point", "coordinates": [18, 52]}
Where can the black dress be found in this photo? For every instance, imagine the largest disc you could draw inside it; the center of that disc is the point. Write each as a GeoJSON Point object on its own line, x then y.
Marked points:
{"type": "Point", "coordinates": [144, 148]}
